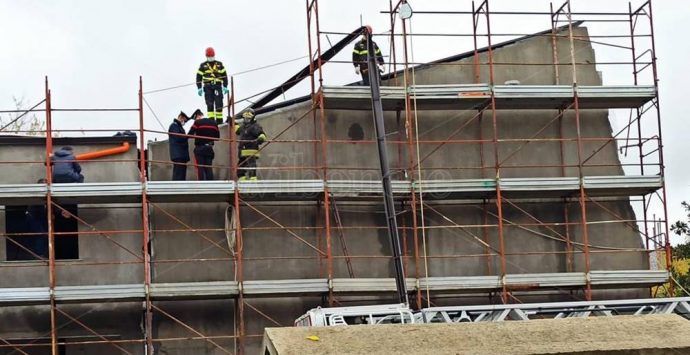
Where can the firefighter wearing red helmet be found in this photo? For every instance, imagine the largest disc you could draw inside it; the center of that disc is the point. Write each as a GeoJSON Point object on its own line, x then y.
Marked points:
{"type": "Point", "coordinates": [359, 56]}
{"type": "Point", "coordinates": [214, 78]}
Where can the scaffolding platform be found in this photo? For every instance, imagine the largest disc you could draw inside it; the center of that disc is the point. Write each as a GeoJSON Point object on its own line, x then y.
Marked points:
{"type": "Point", "coordinates": [343, 286]}
{"type": "Point", "coordinates": [281, 190]}
{"type": "Point", "coordinates": [475, 96]}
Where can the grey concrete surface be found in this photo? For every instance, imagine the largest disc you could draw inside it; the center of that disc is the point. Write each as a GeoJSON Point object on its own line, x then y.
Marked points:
{"type": "Point", "coordinates": [95, 250]}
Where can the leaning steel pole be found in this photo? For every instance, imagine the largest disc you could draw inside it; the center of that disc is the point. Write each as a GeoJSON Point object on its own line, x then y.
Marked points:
{"type": "Point", "coordinates": [377, 109]}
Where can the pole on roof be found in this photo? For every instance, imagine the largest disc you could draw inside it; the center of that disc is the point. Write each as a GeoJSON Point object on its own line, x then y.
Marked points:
{"type": "Point", "coordinates": [377, 110]}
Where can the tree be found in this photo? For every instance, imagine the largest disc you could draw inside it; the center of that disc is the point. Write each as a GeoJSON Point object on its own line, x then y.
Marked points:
{"type": "Point", "coordinates": [680, 267]}
{"type": "Point", "coordinates": [681, 227]}
{"type": "Point", "coordinates": [22, 123]}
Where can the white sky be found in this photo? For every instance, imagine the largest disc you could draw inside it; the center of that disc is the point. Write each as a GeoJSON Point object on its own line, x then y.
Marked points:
{"type": "Point", "coordinates": [94, 52]}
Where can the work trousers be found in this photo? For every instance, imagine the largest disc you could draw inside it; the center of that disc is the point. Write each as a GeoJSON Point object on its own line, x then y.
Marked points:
{"type": "Point", "coordinates": [213, 94]}
{"type": "Point", "coordinates": [247, 167]}
{"type": "Point", "coordinates": [179, 172]}
{"type": "Point", "coordinates": [365, 75]}
{"type": "Point", "coordinates": [364, 71]}
{"type": "Point", "coordinates": [68, 178]}
{"type": "Point", "coordinates": [203, 159]}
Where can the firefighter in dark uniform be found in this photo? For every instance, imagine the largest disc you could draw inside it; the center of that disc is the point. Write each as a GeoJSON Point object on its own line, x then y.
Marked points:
{"type": "Point", "coordinates": [179, 147]}
{"type": "Point", "coordinates": [359, 58]}
{"type": "Point", "coordinates": [251, 136]}
{"type": "Point", "coordinates": [214, 77]}
{"type": "Point", "coordinates": [207, 131]}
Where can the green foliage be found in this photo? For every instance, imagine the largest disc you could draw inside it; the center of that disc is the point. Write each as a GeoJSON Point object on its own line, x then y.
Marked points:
{"type": "Point", "coordinates": [681, 254]}
{"type": "Point", "coordinates": [681, 227]}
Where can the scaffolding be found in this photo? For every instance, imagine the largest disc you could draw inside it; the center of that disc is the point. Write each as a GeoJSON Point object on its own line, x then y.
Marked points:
{"type": "Point", "coordinates": [491, 195]}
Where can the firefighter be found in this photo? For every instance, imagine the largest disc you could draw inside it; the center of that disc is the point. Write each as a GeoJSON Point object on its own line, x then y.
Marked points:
{"type": "Point", "coordinates": [359, 58]}
{"type": "Point", "coordinates": [251, 136]}
{"type": "Point", "coordinates": [207, 131]}
{"type": "Point", "coordinates": [178, 146]}
{"type": "Point", "coordinates": [213, 76]}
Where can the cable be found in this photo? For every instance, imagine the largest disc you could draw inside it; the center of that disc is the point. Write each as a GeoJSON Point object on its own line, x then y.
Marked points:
{"type": "Point", "coordinates": [154, 113]}
{"type": "Point", "coordinates": [231, 74]}
{"type": "Point", "coordinates": [269, 66]}
{"type": "Point", "coordinates": [419, 174]}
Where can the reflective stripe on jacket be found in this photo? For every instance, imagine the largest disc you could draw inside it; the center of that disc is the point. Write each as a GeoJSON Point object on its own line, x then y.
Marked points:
{"type": "Point", "coordinates": [251, 136]}
{"type": "Point", "coordinates": [211, 73]}
{"type": "Point", "coordinates": [360, 52]}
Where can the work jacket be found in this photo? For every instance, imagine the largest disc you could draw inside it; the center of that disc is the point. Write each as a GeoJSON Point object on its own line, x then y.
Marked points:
{"type": "Point", "coordinates": [178, 145]}
{"type": "Point", "coordinates": [64, 164]}
{"type": "Point", "coordinates": [360, 52]}
{"type": "Point", "coordinates": [205, 127]}
{"type": "Point", "coordinates": [251, 136]}
{"type": "Point", "coordinates": [210, 73]}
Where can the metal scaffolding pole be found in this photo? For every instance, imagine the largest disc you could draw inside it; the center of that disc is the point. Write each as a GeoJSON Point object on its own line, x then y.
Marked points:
{"type": "Point", "coordinates": [51, 227]}
{"type": "Point", "coordinates": [143, 177]}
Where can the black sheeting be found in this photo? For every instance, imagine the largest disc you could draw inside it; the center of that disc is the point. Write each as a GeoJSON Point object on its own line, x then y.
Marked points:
{"type": "Point", "coordinates": [304, 73]}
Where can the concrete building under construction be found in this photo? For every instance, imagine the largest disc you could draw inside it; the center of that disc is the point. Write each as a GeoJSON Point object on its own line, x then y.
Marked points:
{"type": "Point", "coordinates": [507, 180]}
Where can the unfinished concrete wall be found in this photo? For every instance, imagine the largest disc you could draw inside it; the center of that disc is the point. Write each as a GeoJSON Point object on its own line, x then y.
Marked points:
{"type": "Point", "coordinates": [267, 247]}
{"type": "Point", "coordinates": [350, 161]}
{"type": "Point", "coordinates": [95, 249]}
{"type": "Point", "coordinates": [119, 321]}
{"type": "Point", "coordinates": [100, 261]}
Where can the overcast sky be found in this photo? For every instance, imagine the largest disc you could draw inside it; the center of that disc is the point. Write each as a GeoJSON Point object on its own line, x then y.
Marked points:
{"type": "Point", "coordinates": [95, 51]}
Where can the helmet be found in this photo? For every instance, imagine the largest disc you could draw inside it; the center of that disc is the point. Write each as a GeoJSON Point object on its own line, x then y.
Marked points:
{"type": "Point", "coordinates": [369, 30]}
{"type": "Point", "coordinates": [248, 114]}
{"type": "Point", "coordinates": [210, 52]}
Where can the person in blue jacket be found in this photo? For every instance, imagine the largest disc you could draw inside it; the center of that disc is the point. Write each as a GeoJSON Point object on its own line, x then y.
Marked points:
{"type": "Point", "coordinates": [179, 147]}
{"type": "Point", "coordinates": [65, 167]}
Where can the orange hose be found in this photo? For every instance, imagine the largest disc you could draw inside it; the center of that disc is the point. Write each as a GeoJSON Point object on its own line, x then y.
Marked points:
{"type": "Point", "coordinates": [104, 152]}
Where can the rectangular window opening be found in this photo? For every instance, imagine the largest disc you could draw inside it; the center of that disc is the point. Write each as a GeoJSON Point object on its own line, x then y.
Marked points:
{"type": "Point", "coordinates": [27, 229]}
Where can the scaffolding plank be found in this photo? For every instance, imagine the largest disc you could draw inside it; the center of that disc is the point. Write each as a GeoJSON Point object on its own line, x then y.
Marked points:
{"type": "Point", "coordinates": [366, 189]}
{"type": "Point", "coordinates": [277, 190]}
{"type": "Point", "coordinates": [456, 188]}
{"type": "Point", "coordinates": [22, 194]}
{"type": "Point", "coordinates": [595, 186]}
{"type": "Point", "coordinates": [533, 96]}
{"type": "Point", "coordinates": [97, 192]}
{"type": "Point", "coordinates": [467, 283]}
{"type": "Point", "coordinates": [473, 96]}
{"type": "Point", "coordinates": [619, 96]}
{"type": "Point", "coordinates": [363, 285]}
{"type": "Point", "coordinates": [285, 287]}
{"type": "Point", "coordinates": [99, 293]}
{"type": "Point", "coordinates": [281, 190]}
{"type": "Point", "coordinates": [625, 278]}
{"type": "Point", "coordinates": [621, 185]}
{"type": "Point", "coordinates": [190, 191]}
{"type": "Point", "coordinates": [24, 296]}
{"type": "Point", "coordinates": [272, 288]}
{"type": "Point", "coordinates": [194, 290]}
{"type": "Point", "coordinates": [546, 280]}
